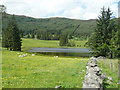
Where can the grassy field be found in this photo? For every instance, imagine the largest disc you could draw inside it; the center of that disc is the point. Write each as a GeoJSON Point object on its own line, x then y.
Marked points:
{"type": "Point", "coordinates": [29, 43]}
{"type": "Point", "coordinates": [41, 71]}
{"type": "Point", "coordinates": [110, 68]}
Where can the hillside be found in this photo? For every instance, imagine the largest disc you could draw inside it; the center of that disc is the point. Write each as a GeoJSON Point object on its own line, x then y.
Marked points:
{"type": "Point", "coordinates": [52, 25]}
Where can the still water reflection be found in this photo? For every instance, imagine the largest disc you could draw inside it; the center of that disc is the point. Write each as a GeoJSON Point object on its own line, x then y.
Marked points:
{"type": "Point", "coordinates": [79, 52]}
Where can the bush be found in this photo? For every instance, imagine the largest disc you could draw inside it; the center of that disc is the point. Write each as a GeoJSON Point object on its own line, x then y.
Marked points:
{"type": "Point", "coordinates": [71, 43]}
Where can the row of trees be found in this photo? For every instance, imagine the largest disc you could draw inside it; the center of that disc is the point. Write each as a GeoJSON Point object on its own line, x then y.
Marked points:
{"type": "Point", "coordinates": [45, 35]}
{"type": "Point", "coordinates": [42, 35]}
{"type": "Point", "coordinates": [105, 41]}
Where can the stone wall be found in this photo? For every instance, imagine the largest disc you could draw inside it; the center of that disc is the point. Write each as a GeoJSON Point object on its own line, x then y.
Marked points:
{"type": "Point", "coordinates": [94, 77]}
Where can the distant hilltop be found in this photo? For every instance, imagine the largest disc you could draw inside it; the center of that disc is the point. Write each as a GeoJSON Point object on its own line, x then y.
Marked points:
{"type": "Point", "coordinates": [54, 25]}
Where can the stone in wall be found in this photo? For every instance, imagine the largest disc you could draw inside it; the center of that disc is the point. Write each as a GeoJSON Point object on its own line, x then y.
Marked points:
{"type": "Point", "coordinates": [93, 78]}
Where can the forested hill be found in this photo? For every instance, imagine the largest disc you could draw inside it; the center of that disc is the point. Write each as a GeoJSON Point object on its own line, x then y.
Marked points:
{"type": "Point", "coordinates": [54, 25]}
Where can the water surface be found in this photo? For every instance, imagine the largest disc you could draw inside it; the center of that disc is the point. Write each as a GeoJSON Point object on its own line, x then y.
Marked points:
{"type": "Point", "coordinates": [80, 52]}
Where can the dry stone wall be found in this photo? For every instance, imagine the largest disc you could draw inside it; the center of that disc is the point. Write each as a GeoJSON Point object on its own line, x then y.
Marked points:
{"type": "Point", "coordinates": [94, 77]}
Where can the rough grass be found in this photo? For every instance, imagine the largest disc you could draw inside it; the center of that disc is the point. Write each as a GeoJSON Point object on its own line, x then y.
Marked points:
{"type": "Point", "coordinates": [41, 71]}
{"type": "Point", "coordinates": [29, 43]}
{"type": "Point", "coordinates": [81, 44]}
{"type": "Point", "coordinates": [110, 68]}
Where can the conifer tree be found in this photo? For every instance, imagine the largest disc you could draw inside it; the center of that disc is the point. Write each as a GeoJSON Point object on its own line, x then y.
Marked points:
{"type": "Point", "coordinates": [63, 39]}
{"type": "Point", "coordinates": [38, 35]}
{"type": "Point", "coordinates": [100, 40]}
{"type": "Point", "coordinates": [12, 36]}
{"type": "Point", "coordinates": [28, 36]}
{"type": "Point", "coordinates": [33, 36]}
{"type": "Point", "coordinates": [118, 43]}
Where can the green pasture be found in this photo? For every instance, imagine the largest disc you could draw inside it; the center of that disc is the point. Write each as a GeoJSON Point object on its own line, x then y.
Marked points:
{"type": "Point", "coordinates": [29, 43]}
{"type": "Point", "coordinates": [42, 71]}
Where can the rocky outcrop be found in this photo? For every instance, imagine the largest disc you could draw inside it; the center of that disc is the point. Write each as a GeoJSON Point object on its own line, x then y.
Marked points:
{"type": "Point", "coordinates": [94, 77]}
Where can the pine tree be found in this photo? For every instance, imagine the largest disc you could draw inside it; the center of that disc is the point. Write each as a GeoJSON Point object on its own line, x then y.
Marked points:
{"type": "Point", "coordinates": [12, 36]}
{"type": "Point", "coordinates": [38, 36]}
{"type": "Point", "coordinates": [33, 36]}
{"type": "Point", "coordinates": [100, 40]}
{"type": "Point", "coordinates": [118, 39]}
{"type": "Point", "coordinates": [28, 36]}
{"type": "Point", "coordinates": [118, 43]}
{"type": "Point", "coordinates": [63, 39]}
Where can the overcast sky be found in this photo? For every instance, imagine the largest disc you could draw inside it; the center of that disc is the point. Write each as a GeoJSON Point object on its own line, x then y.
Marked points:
{"type": "Point", "coordinates": [75, 9]}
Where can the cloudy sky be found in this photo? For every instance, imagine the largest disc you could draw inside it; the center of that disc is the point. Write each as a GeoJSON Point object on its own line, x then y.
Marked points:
{"type": "Point", "coordinates": [75, 9]}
